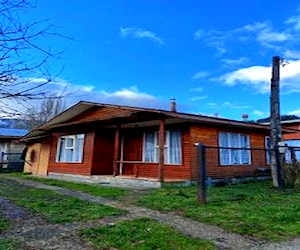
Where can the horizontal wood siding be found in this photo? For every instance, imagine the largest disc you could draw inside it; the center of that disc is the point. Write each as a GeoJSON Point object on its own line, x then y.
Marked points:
{"type": "Point", "coordinates": [83, 168]}
{"type": "Point", "coordinates": [103, 152]}
{"type": "Point", "coordinates": [209, 137]}
{"type": "Point", "coordinates": [292, 136]}
{"type": "Point", "coordinates": [133, 145]}
{"type": "Point", "coordinates": [100, 113]}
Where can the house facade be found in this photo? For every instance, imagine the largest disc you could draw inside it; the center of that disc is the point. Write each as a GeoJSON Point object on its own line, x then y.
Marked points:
{"type": "Point", "coordinates": [92, 139]}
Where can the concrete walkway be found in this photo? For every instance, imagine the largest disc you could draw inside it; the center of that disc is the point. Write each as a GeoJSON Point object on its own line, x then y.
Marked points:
{"type": "Point", "coordinates": [221, 238]}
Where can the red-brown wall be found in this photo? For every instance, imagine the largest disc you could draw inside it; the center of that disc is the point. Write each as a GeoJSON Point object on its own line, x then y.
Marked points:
{"type": "Point", "coordinates": [83, 168]}
{"type": "Point", "coordinates": [209, 137]}
{"type": "Point", "coordinates": [99, 150]}
{"type": "Point", "coordinates": [292, 136]}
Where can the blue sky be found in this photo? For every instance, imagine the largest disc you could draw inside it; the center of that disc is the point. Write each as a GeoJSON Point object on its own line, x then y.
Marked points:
{"type": "Point", "coordinates": [213, 56]}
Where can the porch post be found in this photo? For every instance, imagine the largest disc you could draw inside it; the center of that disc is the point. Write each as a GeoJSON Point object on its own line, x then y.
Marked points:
{"type": "Point", "coordinates": [116, 150]}
{"type": "Point", "coordinates": [161, 144]}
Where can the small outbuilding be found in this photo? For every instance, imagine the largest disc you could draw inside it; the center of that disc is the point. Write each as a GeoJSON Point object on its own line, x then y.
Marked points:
{"type": "Point", "coordinates": [11, 149]}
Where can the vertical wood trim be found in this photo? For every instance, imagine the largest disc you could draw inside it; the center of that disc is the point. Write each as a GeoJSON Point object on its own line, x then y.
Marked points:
{"type": "Point", "coordinates": [161, 144]}
{"type": "Point", "coordinates": [88, 155]}
{"type": "Point", "coordinates": [122, 155]}
{"type": "Point", "coordinates": [116, 150]}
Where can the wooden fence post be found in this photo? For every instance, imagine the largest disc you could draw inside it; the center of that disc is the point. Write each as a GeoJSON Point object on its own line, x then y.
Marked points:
{"type": "Point", "coordinates": [201, 179]}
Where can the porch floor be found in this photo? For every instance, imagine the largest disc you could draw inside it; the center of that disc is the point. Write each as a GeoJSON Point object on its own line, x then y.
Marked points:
{"type": "Point", "coordinates": [120, 180]}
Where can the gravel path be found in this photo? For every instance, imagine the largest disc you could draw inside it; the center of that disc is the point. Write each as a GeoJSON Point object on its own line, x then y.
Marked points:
{"type": "Point", "coordinates": [40, 235]}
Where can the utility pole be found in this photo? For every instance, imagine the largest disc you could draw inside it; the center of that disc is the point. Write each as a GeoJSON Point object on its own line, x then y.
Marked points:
{"type": "Point", "coordinates": [275, 123]}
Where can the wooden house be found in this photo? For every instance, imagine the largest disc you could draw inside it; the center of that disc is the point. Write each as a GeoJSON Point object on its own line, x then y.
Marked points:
{"type": "Point", "coordinates": [93, 139]}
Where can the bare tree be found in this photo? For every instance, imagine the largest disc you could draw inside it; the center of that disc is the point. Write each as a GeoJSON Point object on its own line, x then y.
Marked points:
{"type": "Point", "coordinates": [36, 115]}
{"type": "Point", "coordinates": [24, 71]}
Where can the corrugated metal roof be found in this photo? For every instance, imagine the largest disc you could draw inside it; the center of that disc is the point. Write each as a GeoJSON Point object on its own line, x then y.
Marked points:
{"type": "Point", "coordinates": [12, 132]}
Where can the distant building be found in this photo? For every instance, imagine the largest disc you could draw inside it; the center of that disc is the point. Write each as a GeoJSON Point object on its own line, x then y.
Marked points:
{"type": "Point", "coordinates": [11, 148]}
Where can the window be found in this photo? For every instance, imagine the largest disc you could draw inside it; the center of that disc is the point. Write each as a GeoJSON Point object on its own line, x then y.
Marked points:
{"type": "Point", "coordinates": [150, 147]}
{"type": "Point", "coordinates": [295, 144]}
{"type": "Point", "coordinates": [70, 148]}
{"type": "Point", "coordinates": [172, 148]}
{"type": "Point", "coordinates": [234, 149]}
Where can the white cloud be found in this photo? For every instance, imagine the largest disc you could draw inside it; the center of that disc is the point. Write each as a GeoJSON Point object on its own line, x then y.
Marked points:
{"type": "Point", "coordinates": [200, 75]}
{"type": "Point", "coordinates": [260, 33]}
{"type": "Point", "coordinates": [295, 21]}
{"type": "Point", "coordinates": [292, 54]}
{"type": "Point", "coordinates": [16, 106]}
{"type": "Point", "coordinates": [234, 62]}
{"type": "Point", "coordinates": [131, 93]}
{"type": "Point", "coordinates": [258, 77]}
{"type": "Point", "coordinates": [73, 93]}
{"type": "Point", "coordinates": [254, 27]}
{"type": "Point", "coordinates": [199, 34]}
{"type": "Point", "coordinates": [199, 89]}
{"type": "Point", "coordinates": [131, 96]}
{"type": "Point", "coordinates": [269, 36]}
{"type": "Point", "coordinates": [213, 38]}
{"type": "Point", "coordinates": [140, 33]}
{"type": "Point", "coordinates": [212, 104]}
{"type": "Point", "coordinates": [295, 112]}
{"type": "Point", "coordinates": [197, 98]}
{"type": "Point", "coordinates": [234, 106]}
{"type": "Point", "coordinates": [259, 113]}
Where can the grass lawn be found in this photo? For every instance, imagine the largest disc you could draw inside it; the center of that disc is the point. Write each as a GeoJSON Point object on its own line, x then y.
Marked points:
{"type": "Point", "coordinates": [3, 224]}
{"type": "Point", "coordinates": [6, 244]}
{"type": "Point", "coordinates": [54, 207]}
{"type": "Point", "coordinates": [141, 234]}
{"type": "Point", "coordinates": [93, 189]}
{"type": "Point", "coordinates": [254, 209]}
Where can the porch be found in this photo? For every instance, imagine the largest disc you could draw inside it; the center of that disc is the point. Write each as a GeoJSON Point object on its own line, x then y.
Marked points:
{"type": "Point", "coordinates": [148, 151]}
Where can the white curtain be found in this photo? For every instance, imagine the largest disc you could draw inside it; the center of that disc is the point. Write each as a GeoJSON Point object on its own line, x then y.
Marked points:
{"type": "Point", "coordinates": [235, 143]}
{"type": "Point", "coordinates": [245, 154]}
{"type": "Point", "coordinates": [61, 151]}
{"type": "Point", "coordinates": [234, 156]}
{"type": "Point", "coordinates": [224, 152]}
{"type": "Point", "coordinates": [78, 153]}
{"type": "Point", "coordinates": [149, 147]}
{"type": "Point", "coordinates": [174, 147]}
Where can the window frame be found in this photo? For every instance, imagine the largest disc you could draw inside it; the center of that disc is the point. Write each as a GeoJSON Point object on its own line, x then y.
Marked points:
{"type": "Point", "coordinates": [62, 148]}
{"type": "Point", "coordinates": [234, 151]}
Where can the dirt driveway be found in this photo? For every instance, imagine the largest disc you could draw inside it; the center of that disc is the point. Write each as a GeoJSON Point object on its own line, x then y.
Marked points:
{"type": "Point", "coordinates": [35, 233]}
